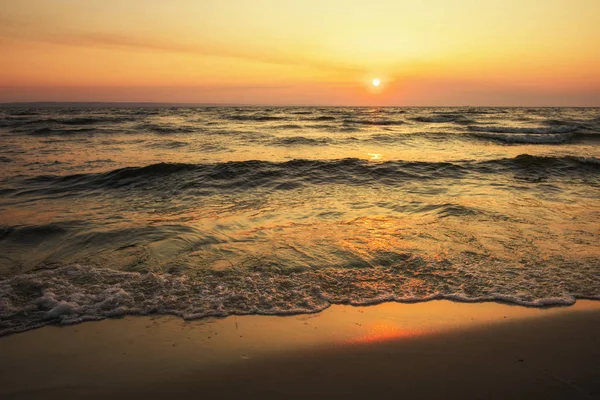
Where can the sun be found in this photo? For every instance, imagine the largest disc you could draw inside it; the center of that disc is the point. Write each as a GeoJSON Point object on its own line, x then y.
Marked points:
{"type": "Point", "coordinates": [376, 82]}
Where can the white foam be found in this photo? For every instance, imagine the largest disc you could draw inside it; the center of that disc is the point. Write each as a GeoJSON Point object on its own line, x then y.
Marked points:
{"type": "Point", "coordinates": [62, 310]}
{"type": "Point", "coordinates": [77, 293]}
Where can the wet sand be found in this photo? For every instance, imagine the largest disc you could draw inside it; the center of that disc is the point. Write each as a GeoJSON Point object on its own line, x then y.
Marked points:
{"type": "Point", "coordinates": [430, 350]}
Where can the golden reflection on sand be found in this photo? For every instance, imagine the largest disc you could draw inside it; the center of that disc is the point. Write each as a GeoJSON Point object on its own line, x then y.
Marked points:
{"type": "Point", "coordinates": [237, 339]}
{"type": "Point", "coordinates": [385, 331]}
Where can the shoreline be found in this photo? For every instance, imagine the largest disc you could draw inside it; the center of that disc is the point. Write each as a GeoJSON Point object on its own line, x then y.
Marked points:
{"type": "Point", "coordinates": [63, 295]}
{"type": "Point", "coordinates": [344, 351]}
{"type": "Point", "coordinates": [539, 304]}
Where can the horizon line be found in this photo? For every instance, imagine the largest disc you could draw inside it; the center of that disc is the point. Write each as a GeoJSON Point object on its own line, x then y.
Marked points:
{"type": "Point", "coordinates": [192, 104]}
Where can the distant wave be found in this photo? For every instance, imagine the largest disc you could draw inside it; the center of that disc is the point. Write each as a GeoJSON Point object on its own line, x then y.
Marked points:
{"type": "Point", "coordinates": [491, 124]}
{"type": "Point", "coordinates": [66, 121]}
{"type": "Point", "coordinates": [300, 140]}
{"type": "Point", "coordinates": [257, 118]}
{"type": "Point", "coordinates": [287, 126]}
{"type": "Point", "coordinates": [478, 111]}
{"type": "Point", "coordinates": [515, 129]}
{"type": "Point", "coordinates": [382, 122]}
{"type": "Point", "coordinates": [444, 210]}
{"type": "Point", "coordinates": [557, 132]}
{"type": "Point", "coordinates": [303, 112]}
{"type": "Point", "coordinates": [25, 112]}
{"type": "Point", "coordinates": [567, 163]}
{"type": "Point", "coordinates": [443, 118]}
{"type": "Point", "coordinates": [321, 118]}
{"type": "Point", "coordinates": [90, 120]}
{"type": "Point", "coordinates": [56, 122]}
{"type": "Point", "coordinates": [58, 131]}
{"type": "Point", "coordinates": [167, 144]}
{"type": "Point", "coordinates": [166, 129]}
{"type": "Point", "coordinates": [551, 138]}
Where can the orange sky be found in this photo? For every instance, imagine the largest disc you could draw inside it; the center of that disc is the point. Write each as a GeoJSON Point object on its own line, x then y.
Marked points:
{"type": "Point", "coordinates": [436, 52]}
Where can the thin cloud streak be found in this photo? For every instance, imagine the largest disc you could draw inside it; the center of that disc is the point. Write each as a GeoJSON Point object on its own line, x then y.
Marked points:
{"type": "Point", "coordinates": [112, 40]}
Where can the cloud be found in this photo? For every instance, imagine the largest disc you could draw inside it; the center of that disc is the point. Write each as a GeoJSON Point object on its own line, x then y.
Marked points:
{"type": "Point", "coordinates": [115, 40]}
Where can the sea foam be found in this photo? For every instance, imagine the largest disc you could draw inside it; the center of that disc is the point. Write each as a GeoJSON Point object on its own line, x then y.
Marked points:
{"type": "Point", "coordinates": [77, 293]}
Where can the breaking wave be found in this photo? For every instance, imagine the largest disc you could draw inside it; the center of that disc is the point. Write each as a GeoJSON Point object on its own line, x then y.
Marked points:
{"type": "Point", "coordinates": [76, 293]}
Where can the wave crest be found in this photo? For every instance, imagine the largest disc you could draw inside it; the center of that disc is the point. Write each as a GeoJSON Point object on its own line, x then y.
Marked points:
{"type": "Point", "coordinates": [243, 175]}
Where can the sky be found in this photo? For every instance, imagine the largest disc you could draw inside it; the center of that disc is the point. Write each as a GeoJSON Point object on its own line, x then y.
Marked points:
{"type": "Point", "coordinates": [302, 52]}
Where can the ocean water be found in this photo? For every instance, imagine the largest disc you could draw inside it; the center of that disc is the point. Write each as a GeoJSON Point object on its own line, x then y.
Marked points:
{"type": "Point", "coordinates": [212, 211]}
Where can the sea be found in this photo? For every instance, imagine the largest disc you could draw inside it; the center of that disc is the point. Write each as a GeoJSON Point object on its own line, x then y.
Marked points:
{"type": "Point", "coordinates": [110, 210]}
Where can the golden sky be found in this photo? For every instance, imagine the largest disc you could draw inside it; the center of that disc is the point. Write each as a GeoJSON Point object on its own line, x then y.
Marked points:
{"type": "Point", "coordinates": [429, 52]}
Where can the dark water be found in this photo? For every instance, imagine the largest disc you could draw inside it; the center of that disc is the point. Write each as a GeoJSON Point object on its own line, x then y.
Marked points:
{"type": "Point", "coordinates": [216, 211]}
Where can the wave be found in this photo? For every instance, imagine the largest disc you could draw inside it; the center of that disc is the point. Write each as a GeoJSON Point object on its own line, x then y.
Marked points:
{"type": "Point", "coordinates": [477, 111]}
{"type": "Point", "coordinates": [515, 129]}
{"type": "Point", "coordinates": [68, 121]}
{"type": "Point", "coordinates": [57, 131]}
{"type": "Point", "coordinates": [241, 175]}
{"type": "Point", "coordinates": [89, 120]}
{"type": "Point", "coordinates": [559, 122]}
{"type": "Point", "coordinates": [376, 122]}
{"type": "Point", "coordinates": [167, 144]}
{"type": "Point", "coordinates": [453, 210]}
{"type": "Point", "coordinates": [286, 126]}
{"type": "Point", "coordinates": [244, 175]}
{"type": "Point", "coordinates": [36, 233]}
{"type": "Point", "coordinates": [145, 111]}
{"type": "Point", "coordinates": [257, 118]}
{"type": "Point", "coordinates": [301, 141]}
{"type": "Point", "coordinates": [166, 129]}
{"type": "Point", "coordinates": [551, 138]}
{"type": "Point", "coordinates": [536, 167]}
{"type": "Point", "coordinates": [25, 112]}
{"type": "Point", "coordinates": [321, 118]}
{"type": "Point", "coordinates": [75, 293]}
{"type": "Point", "coordinates": [394, 137]}
{"type": "Point", "coordinates": [80, 121]}
{"type": "Point", "coordinates": [301, 112]}
{"type": "Point", "coordinates": [441, 210]}
{"type": "Point", "coordinates": [443, 118]}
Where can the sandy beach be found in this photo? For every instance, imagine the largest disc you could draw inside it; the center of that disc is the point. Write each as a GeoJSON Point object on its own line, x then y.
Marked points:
{"type": "Point", "coordinates": [437, 349]}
